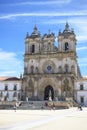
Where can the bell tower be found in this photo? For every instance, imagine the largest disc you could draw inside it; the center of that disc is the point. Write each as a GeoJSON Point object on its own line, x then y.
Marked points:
{"type": "Point", "coordinates": [67, 40]}
{"type": "Point", "coordinates": [67, 46]}
{"type": "Point", "coordinates": [32, 47]}
{"type": "Point", "coordinates": [32, 42]}
{"type": "Point", "coordinates": [69, 64]}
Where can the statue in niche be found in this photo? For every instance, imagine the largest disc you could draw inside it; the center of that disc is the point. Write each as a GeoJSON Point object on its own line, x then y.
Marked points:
{"type": "Point", "coordinates": [66, 88]}
{"type": "Point", "coordinates": [50, 95]}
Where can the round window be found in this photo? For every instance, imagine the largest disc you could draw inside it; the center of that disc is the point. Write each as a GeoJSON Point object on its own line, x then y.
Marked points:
{"type": "Point", "coordinates": [49, 67]}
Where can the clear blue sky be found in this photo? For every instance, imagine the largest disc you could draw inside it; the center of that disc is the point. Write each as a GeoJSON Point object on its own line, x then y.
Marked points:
{"type": "Point", "coordinates": [17, 17]}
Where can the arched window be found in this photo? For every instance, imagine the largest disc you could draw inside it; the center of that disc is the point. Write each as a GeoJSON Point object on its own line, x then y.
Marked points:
{"type": "Point", "coordinates": [33, 48]}
{"type": "Point", "coordinates": [31, 85]}
{"type": "Point", "coordinates": [66, 68]}
{"type": "Point", "coordinates": [66, 46]}
{"type": "Point", "coordinates": [32, 69]}
{"type": "Point", "coordinates": [60, 69]}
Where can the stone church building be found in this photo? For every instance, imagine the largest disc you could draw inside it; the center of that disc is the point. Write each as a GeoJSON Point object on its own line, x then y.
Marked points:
{"type": "Point", "coordinates": [50, 70]}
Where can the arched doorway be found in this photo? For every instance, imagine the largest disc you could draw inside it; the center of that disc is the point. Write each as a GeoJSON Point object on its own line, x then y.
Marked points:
{"type": "Point", "coordinates": [48, 90]}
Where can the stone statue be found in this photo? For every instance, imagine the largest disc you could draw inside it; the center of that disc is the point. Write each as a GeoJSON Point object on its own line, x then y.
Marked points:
{"type": "Point", "coordinates": [50, 95]}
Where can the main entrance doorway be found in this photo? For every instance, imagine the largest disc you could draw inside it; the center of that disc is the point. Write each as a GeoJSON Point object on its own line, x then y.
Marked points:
{"type": "Point", "coordinates": [48, 92]}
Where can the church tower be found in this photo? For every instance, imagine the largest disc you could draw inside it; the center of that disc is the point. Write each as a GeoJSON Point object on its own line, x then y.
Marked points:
{"type": "Point", "coordinates": [50, 71]}
{"type": "Point", "coordinates": [69, 64]}
{"type": "Point", "coordinates": [67, 40]}
{"type": "Point", "coordinates": [67, 46]}
{"type": "Point", "coordinates": [32, 42]}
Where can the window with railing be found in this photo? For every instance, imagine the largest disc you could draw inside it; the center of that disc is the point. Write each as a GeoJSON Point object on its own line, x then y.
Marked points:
{"type": "Point", "coordinates": [81, 87]}
{"type": "Point", "coordinates": [6, 87]}
{"type": "Point", "coordinates": [15, 87]}
{"type": "Point", "coordinates": [15, 94]}
{"type": "Point", "coordinates": [82, 100]}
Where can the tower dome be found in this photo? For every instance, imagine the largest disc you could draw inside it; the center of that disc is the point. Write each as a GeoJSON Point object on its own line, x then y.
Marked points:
{"type": "Point", "coordinates": [35, 33]}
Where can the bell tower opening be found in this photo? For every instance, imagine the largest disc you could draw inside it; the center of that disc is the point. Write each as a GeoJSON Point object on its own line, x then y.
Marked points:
{"type": "Point", "coordinates": [66, 46]}
{"type": "Point", "coordinates": [48, 92]}
{"type": "Point", "coordinates": [33, 48]}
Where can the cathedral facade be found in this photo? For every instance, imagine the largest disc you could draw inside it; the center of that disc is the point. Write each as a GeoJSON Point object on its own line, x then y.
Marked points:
{"type": "Point", "coordinates": [50, 70]}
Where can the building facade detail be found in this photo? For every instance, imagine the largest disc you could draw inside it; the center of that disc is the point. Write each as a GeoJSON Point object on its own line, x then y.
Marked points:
{"type": "Point", "coordinates": [50, 68]}
{"type": "Point", "coordinates": [10, 89]}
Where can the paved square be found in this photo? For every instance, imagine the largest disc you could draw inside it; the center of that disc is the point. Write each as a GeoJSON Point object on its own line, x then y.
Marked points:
{"type": "Point", "coordinates": [67, 119]}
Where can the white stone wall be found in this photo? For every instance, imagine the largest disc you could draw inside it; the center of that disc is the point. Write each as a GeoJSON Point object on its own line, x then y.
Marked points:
{"type": "Point", "coordinates": [10, 90]}
{"type": "Point", "coordinates": [10, 85]}
{"type": "Point", "coordinates": [81, 93]}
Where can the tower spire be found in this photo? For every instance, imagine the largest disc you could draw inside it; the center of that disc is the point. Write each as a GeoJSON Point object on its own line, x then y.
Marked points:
{"type": "Point", "coordinates": [67, 26]}
{"type": "Point", "coordinates": [35, 28]}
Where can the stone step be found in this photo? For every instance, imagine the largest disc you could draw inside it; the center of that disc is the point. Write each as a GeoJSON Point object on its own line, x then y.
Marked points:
{"type": "Point", "coordinates": [42, 105]}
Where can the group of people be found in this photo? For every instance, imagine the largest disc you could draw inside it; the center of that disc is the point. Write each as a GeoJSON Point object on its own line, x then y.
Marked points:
{"type": "Point", "coordinates": [17, 104]}
{"type": "Point", "coordinates": [46, 105]}
{"type": "Point", "coordinates": [80, 107]}
{"type": "Point", "coordinates": [52, 106]}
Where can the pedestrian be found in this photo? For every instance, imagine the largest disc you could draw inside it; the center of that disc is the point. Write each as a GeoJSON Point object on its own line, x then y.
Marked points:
{"type": "Point", "coordinates": [80, 107]}
{"type": "Point", "coordinates": [15, 107]}
{"type": "Point", "coordinates": [53, 106]}
{"type": "Point", "coordinates": [46, 104]}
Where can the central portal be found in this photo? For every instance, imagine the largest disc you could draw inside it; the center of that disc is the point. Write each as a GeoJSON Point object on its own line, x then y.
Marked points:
{"type": "Point", "coordinates": [48, 92]}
